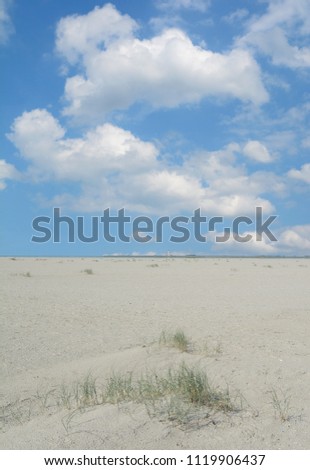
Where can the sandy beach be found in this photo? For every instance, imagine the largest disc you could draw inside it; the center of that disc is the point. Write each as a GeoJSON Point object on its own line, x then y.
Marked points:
{"type": "Point", "coordinates": [65, 321]}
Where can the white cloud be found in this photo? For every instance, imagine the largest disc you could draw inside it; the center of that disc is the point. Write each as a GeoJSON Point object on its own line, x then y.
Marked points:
{"type": "Point", "coordinates": [229, 189]}
{"type": "Point", "coordinates": [221, 185]}
{"type": "Point", "coordinates": [222, 172]}
{"type": "Point", "coordinates": [198, 5]}
{"type": "Point", "coordinates": [253, 247]}
{"type": "Point", "coordinates": [275, 44]}
{"type": "Point", "coordinates": [162, 191]}
{"type": "Point", "coordinates": [255, 150]}
{"type": "Point", "coordinates": [168, 70]}
{"type": "Point", "coordinates": [81, 35]}
{"type": "Point", "coordinates": [303, 174]}
{"type": "Point", "coordinates": [111, 164]}
{"type": "Point", "coordinates": [279, 33]}
{"type": "Point", "coordinates": [36, 134]}
{"type": "Point", "coordinates": [7, 171]}
{"type": "Point", "coordinates": [6, 27]}
{"type": "Point", "coordinates": [115, 168]}
{"type": "Point", "coordinates": [283, 12]}
{"type": "Point", "coordinates": [296, 239]}
{"type": "Point", "coordinates": [293, 240]}
{"type": "Point", "coordinates": [41, 140]}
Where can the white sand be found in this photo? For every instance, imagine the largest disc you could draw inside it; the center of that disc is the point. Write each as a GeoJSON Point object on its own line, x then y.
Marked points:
{"type": "Point", "coordinates": [60, 323]}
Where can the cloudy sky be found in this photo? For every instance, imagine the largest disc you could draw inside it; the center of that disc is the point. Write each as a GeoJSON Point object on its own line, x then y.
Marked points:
{"type": "Point", "coordinates": [159, 107]}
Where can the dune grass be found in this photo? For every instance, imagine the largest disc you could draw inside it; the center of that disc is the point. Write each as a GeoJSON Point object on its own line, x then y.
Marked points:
{"type": "Point", "coordinates": [179, 340]}
{"type": "Point", "coordinates": [175, 396]}
{"type": "Point", "coordinates": [176, 340]}
{"type": "Point", "coordinates": [180, 393]}
{"type": "Point", "coordinates": [281, 403]}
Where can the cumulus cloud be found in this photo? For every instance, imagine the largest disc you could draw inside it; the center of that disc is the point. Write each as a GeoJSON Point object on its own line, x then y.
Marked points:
{"type": "Point", "coordinates": [255, 150]}
{"type": "Point", "coordinates": [115, 168]}
{"type": "Point", "coordinates": [303, 174]}
{"type": "Point", "coordinates": [107, 148]}
{"type": "Point", "coordinates": [7, 171]}
{"type": "Point", "coordinates": [229, 188]}
{"type": "Point", "coordinates": [6, 27]}
{"type": "Point", "coordinates": [280, 32]}
{"type": "Point", "coordinates": [223, 173]}
{"type": "Point", "coordinates": [167, 70]}
{"type": "Point", "coordinates": [198, 5]}
{"type": "Point", "coordinates": [78, 36]}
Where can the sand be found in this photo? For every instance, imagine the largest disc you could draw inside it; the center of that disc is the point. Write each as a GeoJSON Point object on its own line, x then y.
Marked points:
{"type": "Point", "coordinates": [59, 323]}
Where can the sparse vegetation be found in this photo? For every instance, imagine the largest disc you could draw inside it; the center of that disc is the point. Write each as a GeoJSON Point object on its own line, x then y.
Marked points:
{"type": "Point", "coordinates": [179, 395]}
{"type": "Point", "coordinates": [211, 350]}
{"type": "Point", "coordinates": [27, 274]}
{"type": "Point", "coordinates": [176, 340]}
{"type": "Point", "coordinates": [79, 395]}
{"type": "Point", "coordinates": [281, 404]}
{"type": "Point", "coordinates": [180, 341]}
{"type": "Point", "coordinates": [88, 271]}
{"type": "Point", "coordinates": [193, 385]}
{"type": "Point", "coordinates": [119, 388]}
{"type": "Point", "coordinates": [183, 395]}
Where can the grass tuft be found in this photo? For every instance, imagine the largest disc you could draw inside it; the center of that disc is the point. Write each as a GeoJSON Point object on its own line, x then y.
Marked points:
{"type": "Point", "coordinates": [176, 340]}
{"type": "Point", "coordinates": [194, 386]}
{"type": "Point", "coordinates": [281, 404]}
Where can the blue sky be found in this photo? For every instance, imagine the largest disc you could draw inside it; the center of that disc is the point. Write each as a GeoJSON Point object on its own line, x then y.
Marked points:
{"type": "Point", "coordinates": [159, 107]}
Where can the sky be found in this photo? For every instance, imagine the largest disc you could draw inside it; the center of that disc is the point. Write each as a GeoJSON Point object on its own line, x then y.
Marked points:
{"type": "Point", "coordinates": [159, 108]}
